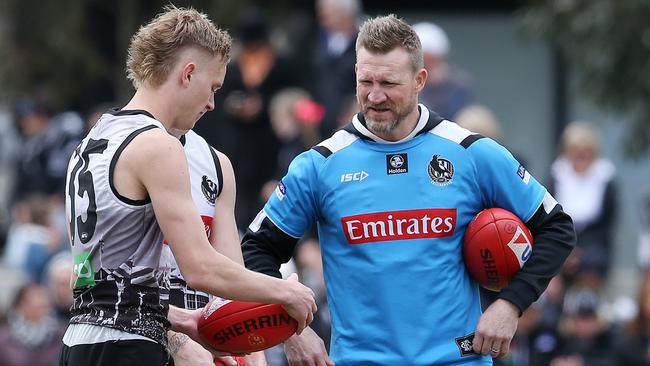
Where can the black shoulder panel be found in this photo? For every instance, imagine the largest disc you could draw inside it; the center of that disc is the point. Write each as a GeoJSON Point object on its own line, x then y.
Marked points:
{"type": "Point", "coordinates": [323, 151]}
{"type": "Point", "coordinates": [470, 140]}
{"type": "Point", "coordinates": [217, 166]}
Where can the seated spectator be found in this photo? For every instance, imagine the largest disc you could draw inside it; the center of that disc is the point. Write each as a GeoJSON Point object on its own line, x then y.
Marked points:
{"type": "Point", "coordinates": [295, 118]}
{"type": "Point", "coordinates": [633, 343]}
{"type": "Point", "coordinates": [586, 337]}
{"type": "Point", "coordinates": [32, 335]}
{"type": "Point", "coordinates": [57, 280]}
{"type": "Point", "coordinates": [31, 240]}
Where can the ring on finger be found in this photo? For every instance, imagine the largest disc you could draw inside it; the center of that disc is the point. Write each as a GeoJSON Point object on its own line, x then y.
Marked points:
{"type": "Point", "coordinates": [494, 350]}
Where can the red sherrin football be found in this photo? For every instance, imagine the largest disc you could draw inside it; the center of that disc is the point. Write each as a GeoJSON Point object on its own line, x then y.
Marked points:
{"type": "Point", "coordinates": [242, 327]}
{"type": "Point", "coordinates": [496, 246]}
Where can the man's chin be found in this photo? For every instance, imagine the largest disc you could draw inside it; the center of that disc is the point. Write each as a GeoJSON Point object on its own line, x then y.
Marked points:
{"type": "Point", "coordinates": [380, 126]}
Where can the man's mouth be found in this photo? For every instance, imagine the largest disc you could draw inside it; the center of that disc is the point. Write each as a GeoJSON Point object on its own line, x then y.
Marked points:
{"type": "Point", "coordinates": [378, 109]}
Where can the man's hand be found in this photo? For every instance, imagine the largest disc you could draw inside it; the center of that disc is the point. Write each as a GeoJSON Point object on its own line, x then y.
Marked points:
{"type": "Point", "coordinates": [495, 329]}
{"type": "Point", "coordinates": [184, 323]}
{"type": "Point", "coordinates": [256, 359]}
{"type": "Point", "coordinates": [301, 305]}
{"type": "Point", "coordinates": [306, 349]}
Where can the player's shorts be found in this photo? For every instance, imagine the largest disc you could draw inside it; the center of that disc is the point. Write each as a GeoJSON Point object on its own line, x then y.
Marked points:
{"type": "Point", "coordinates": [113, 353]}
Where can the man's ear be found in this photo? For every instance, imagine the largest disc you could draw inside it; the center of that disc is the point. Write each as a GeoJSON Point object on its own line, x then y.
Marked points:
{"type": "Point", "coordinates": [421, 79]}
{"type": "Point", "coordinates": [187, 73]}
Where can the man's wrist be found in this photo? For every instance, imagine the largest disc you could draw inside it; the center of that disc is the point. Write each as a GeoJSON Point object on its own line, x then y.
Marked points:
{"type": "Point", "coordinates": [175, 342]}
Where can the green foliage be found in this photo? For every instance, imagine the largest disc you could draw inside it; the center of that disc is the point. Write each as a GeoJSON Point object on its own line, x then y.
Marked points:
{"type": "Point", "coordinates": [608, 43]}
{"type": "Point", "coordinates": [51, 48]}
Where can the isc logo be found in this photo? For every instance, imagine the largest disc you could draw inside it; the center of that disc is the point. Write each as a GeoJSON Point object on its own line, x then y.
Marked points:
{"type": "Point", "coordinates": [349, 177]}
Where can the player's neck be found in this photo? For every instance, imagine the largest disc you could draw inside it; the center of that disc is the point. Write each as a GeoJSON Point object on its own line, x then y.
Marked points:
{"type": "Point", "coordinates": [154, 102]}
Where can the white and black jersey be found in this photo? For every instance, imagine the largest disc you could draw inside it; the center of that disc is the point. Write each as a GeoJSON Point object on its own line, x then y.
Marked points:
{"type": "Point", "coordinates": [116, 241]}
{"type": "Point", "coordinates": [206, 184]}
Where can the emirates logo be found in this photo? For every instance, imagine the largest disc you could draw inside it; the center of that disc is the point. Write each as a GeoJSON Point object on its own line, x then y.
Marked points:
{"type": "Point", "coordinates": [399, 225]}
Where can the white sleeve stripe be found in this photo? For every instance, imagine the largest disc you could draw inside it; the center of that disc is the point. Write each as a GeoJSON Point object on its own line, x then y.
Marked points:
{"type": "Point", "coordinates": [339, 140]}
{"type": "Point", "coordinates": [549, 203]}
{"type": "Point", "coordinates": [451, 131]}
{"type": "Point", "coordinates": [257, 223]}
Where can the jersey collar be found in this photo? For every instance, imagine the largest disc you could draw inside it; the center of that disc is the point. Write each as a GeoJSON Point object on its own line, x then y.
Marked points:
{"type": "Point", "coordinates": [428, 120]}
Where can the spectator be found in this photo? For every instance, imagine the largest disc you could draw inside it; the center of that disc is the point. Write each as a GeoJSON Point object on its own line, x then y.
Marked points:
{"type": "Point", "coordinates": [447, 89]}
{"type": "Point", "coordinates": [333, 57]}
{"type": "Point", "coordinates": [633, 345]}
{"type": "Point", "coordinates": [586, 337]}
{"type": "Point", "coordinates": [47, 142]}
{"type": "Point", "coordinates": [32, 335]}
{"type": "Point", "coordinates": [253, 77]}
{"type": "Point", "coordinates": [479, 119]}
{"type": "Point", "coordinates": [31, 240]}
{"type": "Point", "coordinates": [583, 183]}
{"type": "Point", "coordinates": [58, 272]}
{"type": "Point", "coordinates": [295, 119]}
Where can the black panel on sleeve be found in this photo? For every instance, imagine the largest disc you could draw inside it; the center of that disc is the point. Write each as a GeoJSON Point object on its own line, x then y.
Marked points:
{"type": "Point", "coordinates": [266, 249]}
{"type": "Point", "coordinates": [323, 151]}
{"type": "Point", "coordinates": [554, 238]}
{"type": "Point", "coordinates": [217, 167]}
{"type": "Point", "coordinates": [467, 141]}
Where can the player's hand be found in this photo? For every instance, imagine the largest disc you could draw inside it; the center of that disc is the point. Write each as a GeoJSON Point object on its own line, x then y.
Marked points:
{"type": "Point", "coordinates": [224, 361]}
{"type": "Point", "coordinates": [495, 329]}
{"type": "Point", "coordinates": [301, 304]}
{"type": "Point", "coordinates": [193, 333]}
{"type": "Point", "coordinates": [256, 359]}
{"type": "Point", "coordinates": [306, 349]}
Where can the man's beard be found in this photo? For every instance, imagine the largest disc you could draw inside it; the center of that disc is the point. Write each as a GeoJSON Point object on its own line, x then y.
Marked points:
{"type": "Point", "coordinates": [386, 126]}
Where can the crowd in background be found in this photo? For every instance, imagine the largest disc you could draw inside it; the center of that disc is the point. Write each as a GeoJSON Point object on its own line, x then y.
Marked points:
{"type": "Point", "coordinates": [266, 113]}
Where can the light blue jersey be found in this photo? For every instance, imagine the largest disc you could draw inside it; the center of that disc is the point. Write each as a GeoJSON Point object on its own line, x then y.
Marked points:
{"type": "Point", "coordinates": [391, 218]}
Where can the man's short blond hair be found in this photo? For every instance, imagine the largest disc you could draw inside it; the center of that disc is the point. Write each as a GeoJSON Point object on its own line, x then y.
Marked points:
{"type": "Point", "coordinates": [385, 33]}
{"type": "Point", "coordinates": [155, 47]}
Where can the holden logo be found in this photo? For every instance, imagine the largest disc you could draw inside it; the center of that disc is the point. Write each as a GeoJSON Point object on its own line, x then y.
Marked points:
{"type": "Point", "coordinates": [396, 161]}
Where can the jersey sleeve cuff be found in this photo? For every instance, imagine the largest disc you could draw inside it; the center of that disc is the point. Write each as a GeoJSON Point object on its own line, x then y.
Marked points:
{"type": "Point", "coordinates": [518, 293]}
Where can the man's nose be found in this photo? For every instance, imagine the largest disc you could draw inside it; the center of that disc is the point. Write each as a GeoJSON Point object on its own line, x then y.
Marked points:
{"type": "Point", "coordinates": [210, 105]}
{"type": "Point", "coordinates": [376, 96]}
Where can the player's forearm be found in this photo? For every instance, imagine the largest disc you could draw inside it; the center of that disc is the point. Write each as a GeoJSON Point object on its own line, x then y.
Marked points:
{"type": "Point", "coordinates": [554, 239]}
{"type": "Point", "coordinates": [220, 276]}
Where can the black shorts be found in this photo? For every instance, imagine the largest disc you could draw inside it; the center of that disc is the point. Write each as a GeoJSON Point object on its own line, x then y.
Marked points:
{"type": "Point", "coordinates": [114, 353]}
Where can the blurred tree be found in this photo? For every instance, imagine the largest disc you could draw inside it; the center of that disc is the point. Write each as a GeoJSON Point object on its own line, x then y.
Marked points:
{"type": "Point", "coordinates": [50, 48]}
{"type": "Point", "coordinates": [608, 43]}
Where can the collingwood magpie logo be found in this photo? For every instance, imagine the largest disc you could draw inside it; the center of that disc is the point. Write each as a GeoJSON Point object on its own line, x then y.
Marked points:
{"type": "Point", "coordinates": [441, 170]}
{"type": "Point", "coordinates": [465, 345]}
{"type": "Point", "coordinates": [209, 189]}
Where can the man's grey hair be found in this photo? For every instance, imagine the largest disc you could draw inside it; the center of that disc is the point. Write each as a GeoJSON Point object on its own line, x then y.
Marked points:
{"type": "Point", "coordinates": [383, 34]}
